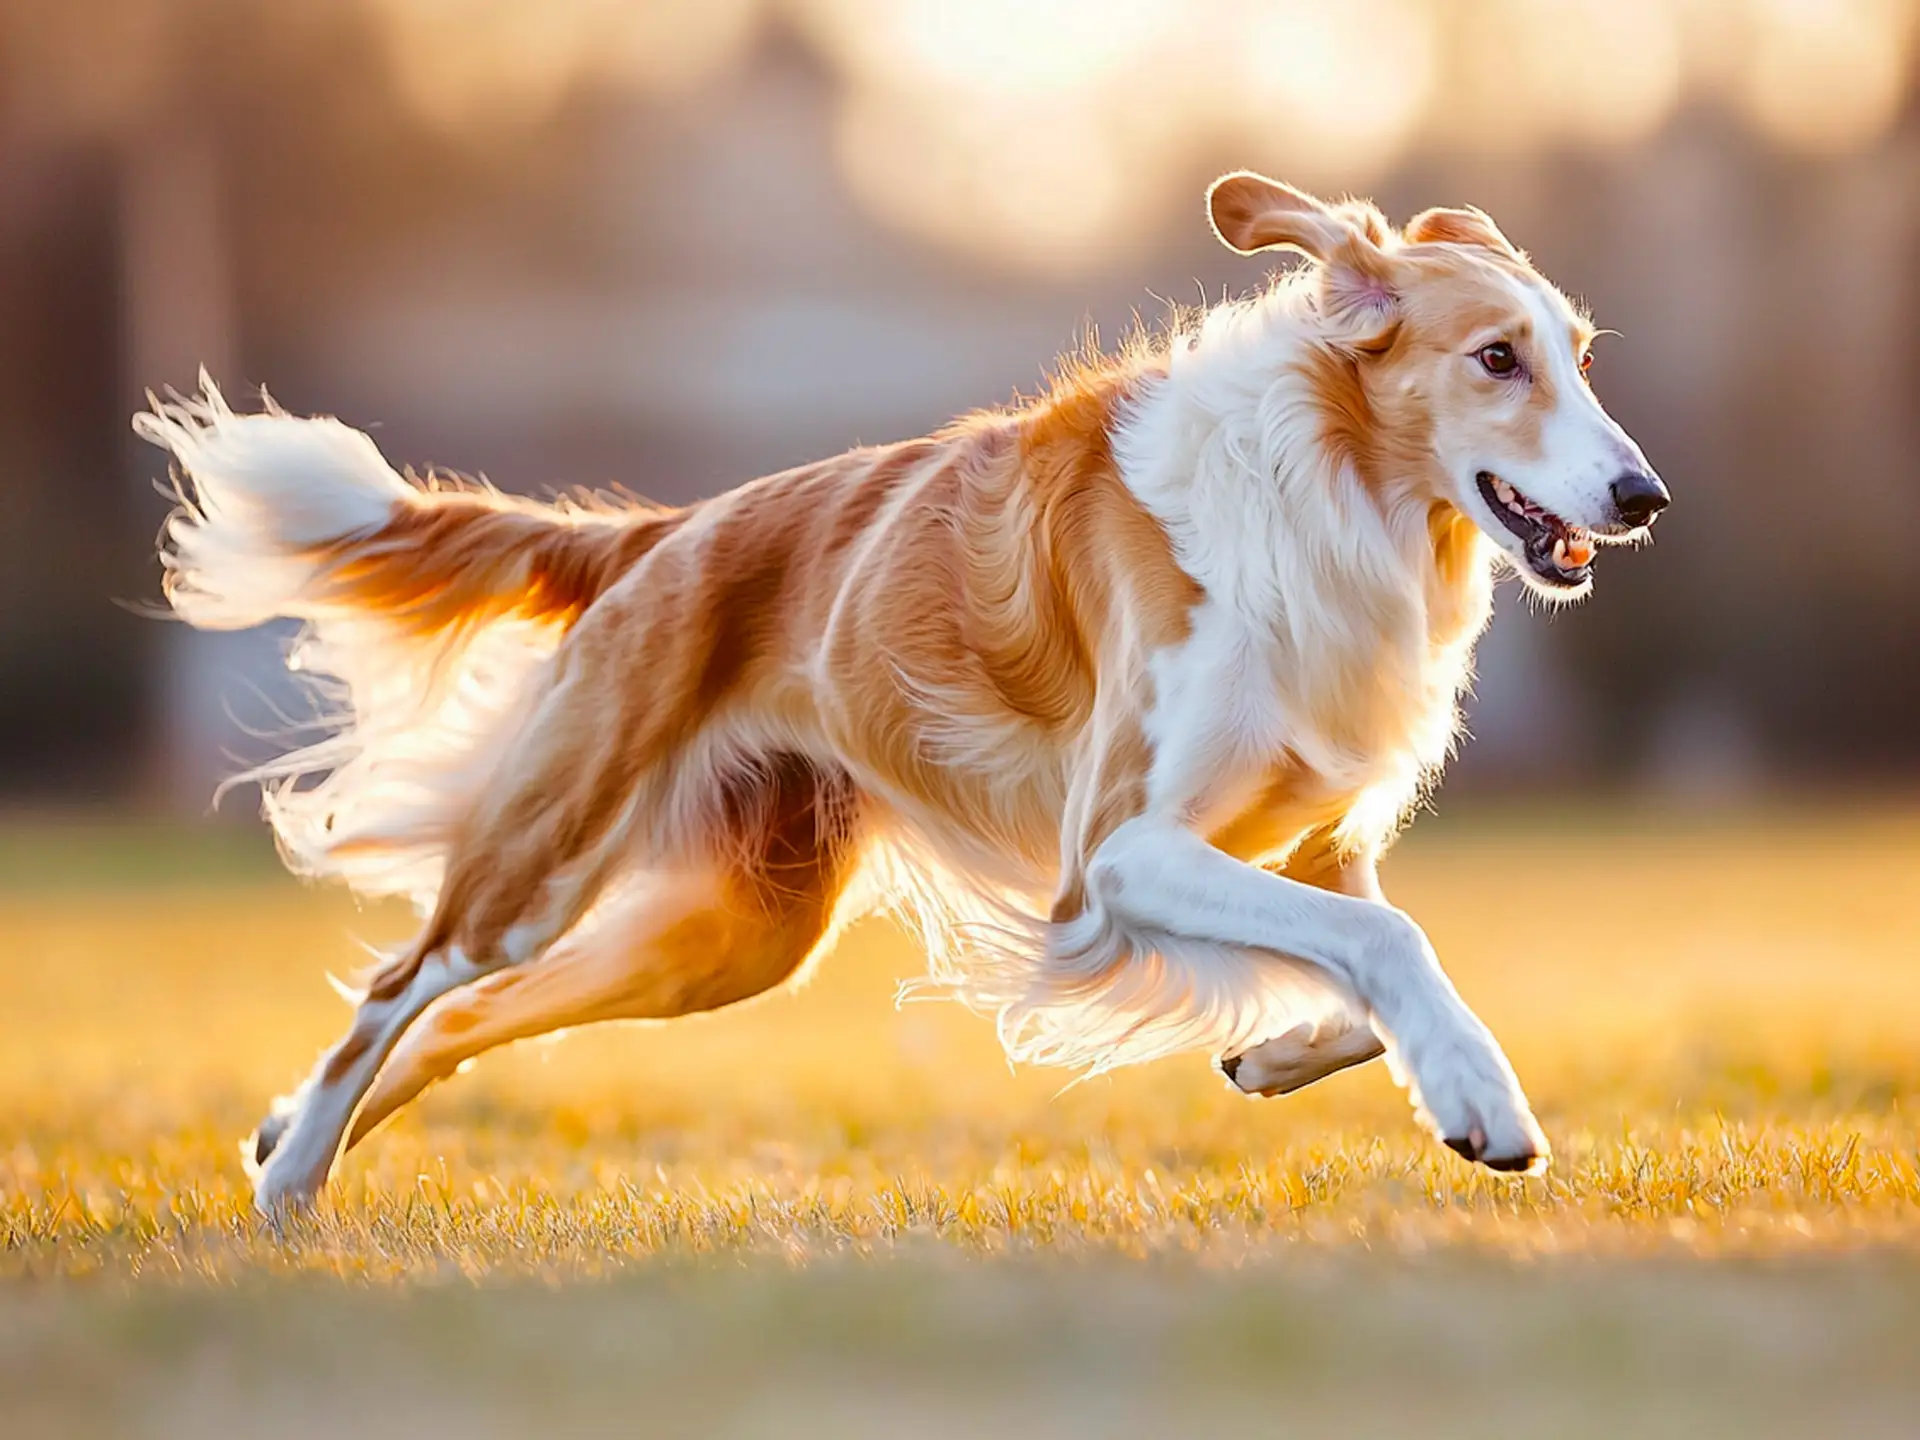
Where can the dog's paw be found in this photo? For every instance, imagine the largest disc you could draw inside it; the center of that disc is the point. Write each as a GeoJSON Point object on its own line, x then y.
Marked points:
{"type": "Point", "coordinates": [1524, 1160]}
{"type": "Point", "coordinates": [283, 1190]}
{"type": "Point", "coordinates": [1294, 1060]}
{"type": "Point", "coordinates": [1468, 1097]}
{"type": "Point", "coordinates": [278, 1157]}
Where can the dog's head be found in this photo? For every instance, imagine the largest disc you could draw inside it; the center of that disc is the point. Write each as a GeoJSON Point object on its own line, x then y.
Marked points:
{"type": "Point", "coordinates": [1450, 364]}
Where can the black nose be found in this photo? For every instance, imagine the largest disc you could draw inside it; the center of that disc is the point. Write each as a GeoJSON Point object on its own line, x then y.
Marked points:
{"type": "Point", "coordinates": [1639, 496]}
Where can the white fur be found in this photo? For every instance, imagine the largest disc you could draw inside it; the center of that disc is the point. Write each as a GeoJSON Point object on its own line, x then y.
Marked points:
{"type": "Point", "coordinates": [410, 729]}
{"type": "Point", "coordinates": [1582, 451]}
{"type": "Point", "coordinates": [255, 490]}
{"type": "Point", "coordinates": [1314, 640]}
{"type": "Point", "coordinates": [1165, 884]}
{"type": "Point", "coordinates": [1315, 592]}
{"type": "Point", "coordinates": [317, 1115]}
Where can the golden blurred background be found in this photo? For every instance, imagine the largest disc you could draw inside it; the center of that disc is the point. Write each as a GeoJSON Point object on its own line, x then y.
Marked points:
{"type": "Point", "coordinates": [674, 243]}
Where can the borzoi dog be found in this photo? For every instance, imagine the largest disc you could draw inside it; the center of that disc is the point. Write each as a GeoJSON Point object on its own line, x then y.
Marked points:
{"type": "Point", "coordinates": [1118, 693]}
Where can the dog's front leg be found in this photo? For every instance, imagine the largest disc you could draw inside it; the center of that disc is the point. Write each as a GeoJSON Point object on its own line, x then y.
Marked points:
{"type": "Point", "coordinates": [1344, 1036]}
{"type": "Point", "coordinates": [1156, 878]}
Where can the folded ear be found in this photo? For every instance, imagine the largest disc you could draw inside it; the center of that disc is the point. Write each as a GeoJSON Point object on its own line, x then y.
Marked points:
{"type": "Point", "coordinates": [1459, 227]}
{"type": "Point", "coordinates": [1252, 213]}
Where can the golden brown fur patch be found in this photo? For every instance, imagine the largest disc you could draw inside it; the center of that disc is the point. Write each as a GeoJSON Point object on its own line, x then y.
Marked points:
{"type": "Point", "coordinates": [988, 565]}
{"type": "Point", "coordinates": [462, 556]}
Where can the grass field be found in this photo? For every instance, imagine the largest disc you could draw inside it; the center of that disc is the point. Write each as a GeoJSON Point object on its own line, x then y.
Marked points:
{"type": "Point", "coordinates": [817, 1215]}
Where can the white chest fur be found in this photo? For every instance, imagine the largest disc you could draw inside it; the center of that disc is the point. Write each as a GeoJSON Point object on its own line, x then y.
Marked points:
{"type": "Point", "coordinates": [1327, 640]}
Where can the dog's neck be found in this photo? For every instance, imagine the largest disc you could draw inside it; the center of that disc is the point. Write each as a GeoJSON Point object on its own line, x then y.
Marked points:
{"type": "Point", "coordinates": [1365, 598]}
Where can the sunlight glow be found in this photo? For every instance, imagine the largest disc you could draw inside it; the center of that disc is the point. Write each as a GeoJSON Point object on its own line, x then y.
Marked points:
{"type": "Point", "coordinates": [982, 178]}
{"type": "Point", "coordinates": [1827, 75]}
{"type": "Point", "coordinates": [1345, 85]}
{"type": "Point", "coordinates": [1027, 50]}
{"type": "Point", "coordinates": [1610, 73]}
{"type": "Point", "coordinates": [469, 65]}
{"type": "Point", "coordinates": [1034, 132]}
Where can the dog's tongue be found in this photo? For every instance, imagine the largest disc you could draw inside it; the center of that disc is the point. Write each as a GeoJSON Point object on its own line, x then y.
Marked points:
{"type": "Point", "coordinates": [1572, 549]}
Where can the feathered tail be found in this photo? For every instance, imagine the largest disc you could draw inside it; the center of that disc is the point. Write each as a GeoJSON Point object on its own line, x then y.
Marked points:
{"type": "Point", "coordinates": [429, 608]}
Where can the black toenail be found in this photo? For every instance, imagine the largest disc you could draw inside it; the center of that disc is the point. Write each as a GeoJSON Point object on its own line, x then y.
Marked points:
{"type": "Point", "coordinates": [1462, 1148]}
{"type": "Point", "coordinates": [268, 1136]}
{"type": "Point", "coordinates": [1230, 1067]}
{"type": "Point", "coordinates": [1510, 1164]}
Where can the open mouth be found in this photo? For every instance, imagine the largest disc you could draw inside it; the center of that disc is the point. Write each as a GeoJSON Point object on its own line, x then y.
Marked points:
{"type": "Point", "coordinates": [1559, 554]}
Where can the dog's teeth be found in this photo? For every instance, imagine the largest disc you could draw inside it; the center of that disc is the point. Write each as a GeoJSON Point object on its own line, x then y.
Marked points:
{"type": "Point", "coordinates": [1560, 555]}
{"type": "Point", "coordinates": [1504, 491]}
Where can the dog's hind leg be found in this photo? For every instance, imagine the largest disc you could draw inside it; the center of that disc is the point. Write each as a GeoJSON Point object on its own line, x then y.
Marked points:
{"type": "Point", "coordinates": [294, 1148]}
{"type": "Point", "coordinates": [660, 945]}
{"type": "Point", "coordinates": [549, 828]}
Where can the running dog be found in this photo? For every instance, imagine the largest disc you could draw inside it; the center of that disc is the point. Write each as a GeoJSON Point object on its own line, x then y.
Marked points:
{"type": "Point", "coordinates": [1119, 694]}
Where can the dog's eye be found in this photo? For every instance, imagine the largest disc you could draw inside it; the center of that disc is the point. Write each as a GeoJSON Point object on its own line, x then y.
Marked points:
{"type": "Point", "coordinates": [1499, 359]}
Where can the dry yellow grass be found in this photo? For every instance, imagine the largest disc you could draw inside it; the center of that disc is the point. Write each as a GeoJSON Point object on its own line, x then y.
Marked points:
{"type": "Point", "coordinates": [1719, 1021]}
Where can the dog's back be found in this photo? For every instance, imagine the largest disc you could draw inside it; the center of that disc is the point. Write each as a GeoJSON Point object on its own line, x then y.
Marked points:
{"type": "Point", "coordinates": [919, 619]}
